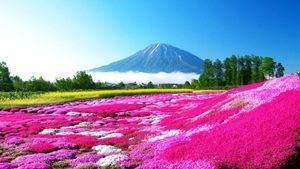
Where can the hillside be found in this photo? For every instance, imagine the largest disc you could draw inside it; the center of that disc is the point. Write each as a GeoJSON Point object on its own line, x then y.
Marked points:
{"type": "Point", "coordinates": [254, 126]}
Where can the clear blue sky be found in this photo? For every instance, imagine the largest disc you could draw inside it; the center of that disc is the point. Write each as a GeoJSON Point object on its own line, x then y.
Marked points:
{"type": "Point", "coordinates": [57, 37]}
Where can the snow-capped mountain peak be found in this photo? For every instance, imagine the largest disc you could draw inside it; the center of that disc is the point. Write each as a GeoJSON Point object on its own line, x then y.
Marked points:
{"type": "Point", "coordinates": [158, 57]}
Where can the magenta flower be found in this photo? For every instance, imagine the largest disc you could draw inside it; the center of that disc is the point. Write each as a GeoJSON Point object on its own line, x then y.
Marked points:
{"type": "Point", "coordinates": [254, 126]}
{"type": "Point", "coordinates": [85, 159]}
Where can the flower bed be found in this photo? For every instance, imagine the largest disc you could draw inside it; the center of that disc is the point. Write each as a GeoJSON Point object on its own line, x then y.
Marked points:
{"type": "Point", "coordinates": [255, 126]}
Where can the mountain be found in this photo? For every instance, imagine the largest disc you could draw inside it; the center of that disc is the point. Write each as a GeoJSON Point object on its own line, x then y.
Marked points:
{"type": "Point", "coordinates": [156, 58]}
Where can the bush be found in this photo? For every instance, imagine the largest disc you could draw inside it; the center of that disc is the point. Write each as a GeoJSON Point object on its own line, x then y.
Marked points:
{"type": "Point", "coordinates": [88, 166]}
{"type": "Point", "coordinates": [60, 164]}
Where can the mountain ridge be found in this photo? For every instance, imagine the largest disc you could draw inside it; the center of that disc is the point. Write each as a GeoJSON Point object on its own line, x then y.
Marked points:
{"type": "Point", "coordinates": [157, 57]}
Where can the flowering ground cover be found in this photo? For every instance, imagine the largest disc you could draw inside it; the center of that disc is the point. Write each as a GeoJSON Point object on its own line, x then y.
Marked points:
{"type": "Point", "coordinates": [9, 99]}
{"type": "Point", "coordinates": [255, 126]}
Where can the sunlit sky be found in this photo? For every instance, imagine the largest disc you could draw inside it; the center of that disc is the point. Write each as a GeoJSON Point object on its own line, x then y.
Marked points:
{"type": "Point", "coordinates": [55, 38]}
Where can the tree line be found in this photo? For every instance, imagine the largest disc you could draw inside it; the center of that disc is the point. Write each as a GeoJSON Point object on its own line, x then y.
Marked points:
{"type": "Point", "coordinates": [231, 72]}
{"type": "Point", "coordinates": [80, 81]}
{"type": "Point", "coordinates": [237, 70]}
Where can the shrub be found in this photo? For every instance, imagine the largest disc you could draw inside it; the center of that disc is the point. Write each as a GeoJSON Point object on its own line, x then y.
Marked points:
{"type": "Point", "coordinates": [60, 164]}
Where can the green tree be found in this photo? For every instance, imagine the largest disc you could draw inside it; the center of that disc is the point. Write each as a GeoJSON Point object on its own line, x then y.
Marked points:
{"type": "Point", "coordinates": [257, 74]}
{"type": "Point", "coordinates": [121, 85]}
{"type": "Point", "coordinates": [6, 83]}
{"type": "Point", "coordinates": [234, 73]}
{"type": "Point", "coordinates": [279, 70]}
{"type": "Point", "coordinates": [18, 83]}
{"type": "Point", "coordinates": [227, 72]}
{"type": "Point", "coordinates": [187, 85]}
{"type": "Point", "coordinates": [195, 84]}
{"type": "Point", "coordinates": [248, 70]}
{"type": "Point", "coordinates": [206, 78]}
{"type": "Point", "coordinates": [240, 73]}
{"type": "Point", "coordinates": [38, 84]}
{"type": "Point", "coordinates": [82, 80]}
{"type": "Point", "coordinates": [298, 72]}
{"type": "Point", "coordinates": [64, 84]}
{"type": "Point", "coordinates": [268, 67]}
{"type": "Point", "coordinates": [218, 72]}
{"type": "Point", "coordinates": [150, 85]}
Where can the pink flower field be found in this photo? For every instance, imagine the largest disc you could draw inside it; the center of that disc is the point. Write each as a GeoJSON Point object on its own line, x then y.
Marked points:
{"type": "Point", "coordinates": [255, 126]}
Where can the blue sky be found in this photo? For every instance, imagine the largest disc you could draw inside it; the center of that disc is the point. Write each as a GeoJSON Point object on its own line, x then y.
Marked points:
{"type": "Point", "coordinates": [55, 38]}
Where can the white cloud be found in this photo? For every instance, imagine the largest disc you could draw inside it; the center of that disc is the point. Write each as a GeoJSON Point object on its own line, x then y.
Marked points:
{"type": "Point", "coordinates": [140, 77]}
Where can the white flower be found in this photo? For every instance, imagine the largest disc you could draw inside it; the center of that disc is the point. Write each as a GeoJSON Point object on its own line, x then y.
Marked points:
{"type": "Point", "coordinates": [64, 133]}
{"type": "Point", "coordinates": [106, 149]}
{"type": "Point", "coordinates": [113, 135]}
{"type": "Point", "coordinates": [165, 134]}
{"type": "Point", "coordinates": [78, 114]}
{"type": "Point", "coordinates": [82, 124]}
{"type": "Point", "coordinates": [94, 133]}
{"type": "Point", "coordinates": [110, 160]}
{"type": "Point", "coordinates": [49, 131]}
{"type": "Point", "coordinates": [71, 113]}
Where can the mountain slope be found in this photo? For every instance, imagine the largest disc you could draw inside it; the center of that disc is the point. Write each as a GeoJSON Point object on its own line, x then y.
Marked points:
{"type": "Point", "coordinates": [156, 58]}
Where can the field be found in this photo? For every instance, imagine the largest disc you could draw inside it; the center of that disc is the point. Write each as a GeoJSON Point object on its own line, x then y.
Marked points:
{"type": "Point", "coordinates": [36, 98]}
{"type": "Point", "coordinates": [255, 126]}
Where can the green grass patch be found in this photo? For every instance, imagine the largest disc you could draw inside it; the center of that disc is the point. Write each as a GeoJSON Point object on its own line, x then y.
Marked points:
{"type": "Point", "coordinates": [60, 164]}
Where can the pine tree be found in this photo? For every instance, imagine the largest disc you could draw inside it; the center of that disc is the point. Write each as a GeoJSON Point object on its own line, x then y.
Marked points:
{"type": "Point", "coordinates": [227, 72]}
{"type": "Point", "coordinates": [240, 71]}
{"type": "Point", "coordinates": [248, 70]}
{"type": "Point", "coordinates": [218, 72]}
{"type": "Point", "coordinates": [206, 78]}
{"type": "Point", "coordinates": [234, 73]}
{"type": "Point", "coordinates": [279, 70]}
{"type": "Point", "coordinates": [256, 63]}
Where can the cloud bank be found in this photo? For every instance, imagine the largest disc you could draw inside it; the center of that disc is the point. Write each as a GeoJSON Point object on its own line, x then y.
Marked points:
{"type": "Point", "coordinates": [140, 77]}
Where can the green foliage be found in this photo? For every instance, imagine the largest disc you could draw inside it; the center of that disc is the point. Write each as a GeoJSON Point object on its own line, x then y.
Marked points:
{"type": "Point", "coordinates": [206, 78]}
{"type": "Point", "coordinates": [18, 95]}
{"type": "Point", "coordinates": [13, 154]}
{"type": "Point", "coordinates": [88, 166]}
{"type": "Point", "coordinates": [121, 85]}
{"type": "Point", "coordinates": [187, 85]}
{"type": "Point", "coordinates": [227, 71]}
{"type": "Point", "coordinates": [150, 85]}
{"type": "Point", "coordinates": [18, 83]}
{"type": "Point", "coordinates": [112, 167]}
{"type": "Point", "coordinates": [2, 150]}
{"type": "Point", "coordinates": [64, 84]}
{"type": "Point", "coordinates": [218, 72]}
{"type": "Point", "coordinates": [236, 71]}
{"type": "Point", "coordinates": [268, 67]}
{"type": "Point", "coordinates": [279, 70]}
{"type": "Point", "coordinates": [38, 84]}
{"type": "Point", "coordinates": [256, 75]}
{"type": "Point", "coordinates": [195, 84]}
{"type": "Point", "coordinates": [6, 83]}
{"type": "Point", "coordinates": [298, 72]}
{"type": "Point", "coordinates": [60, 164]}
{"type": "Point", "coordinates": [82, 80]}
